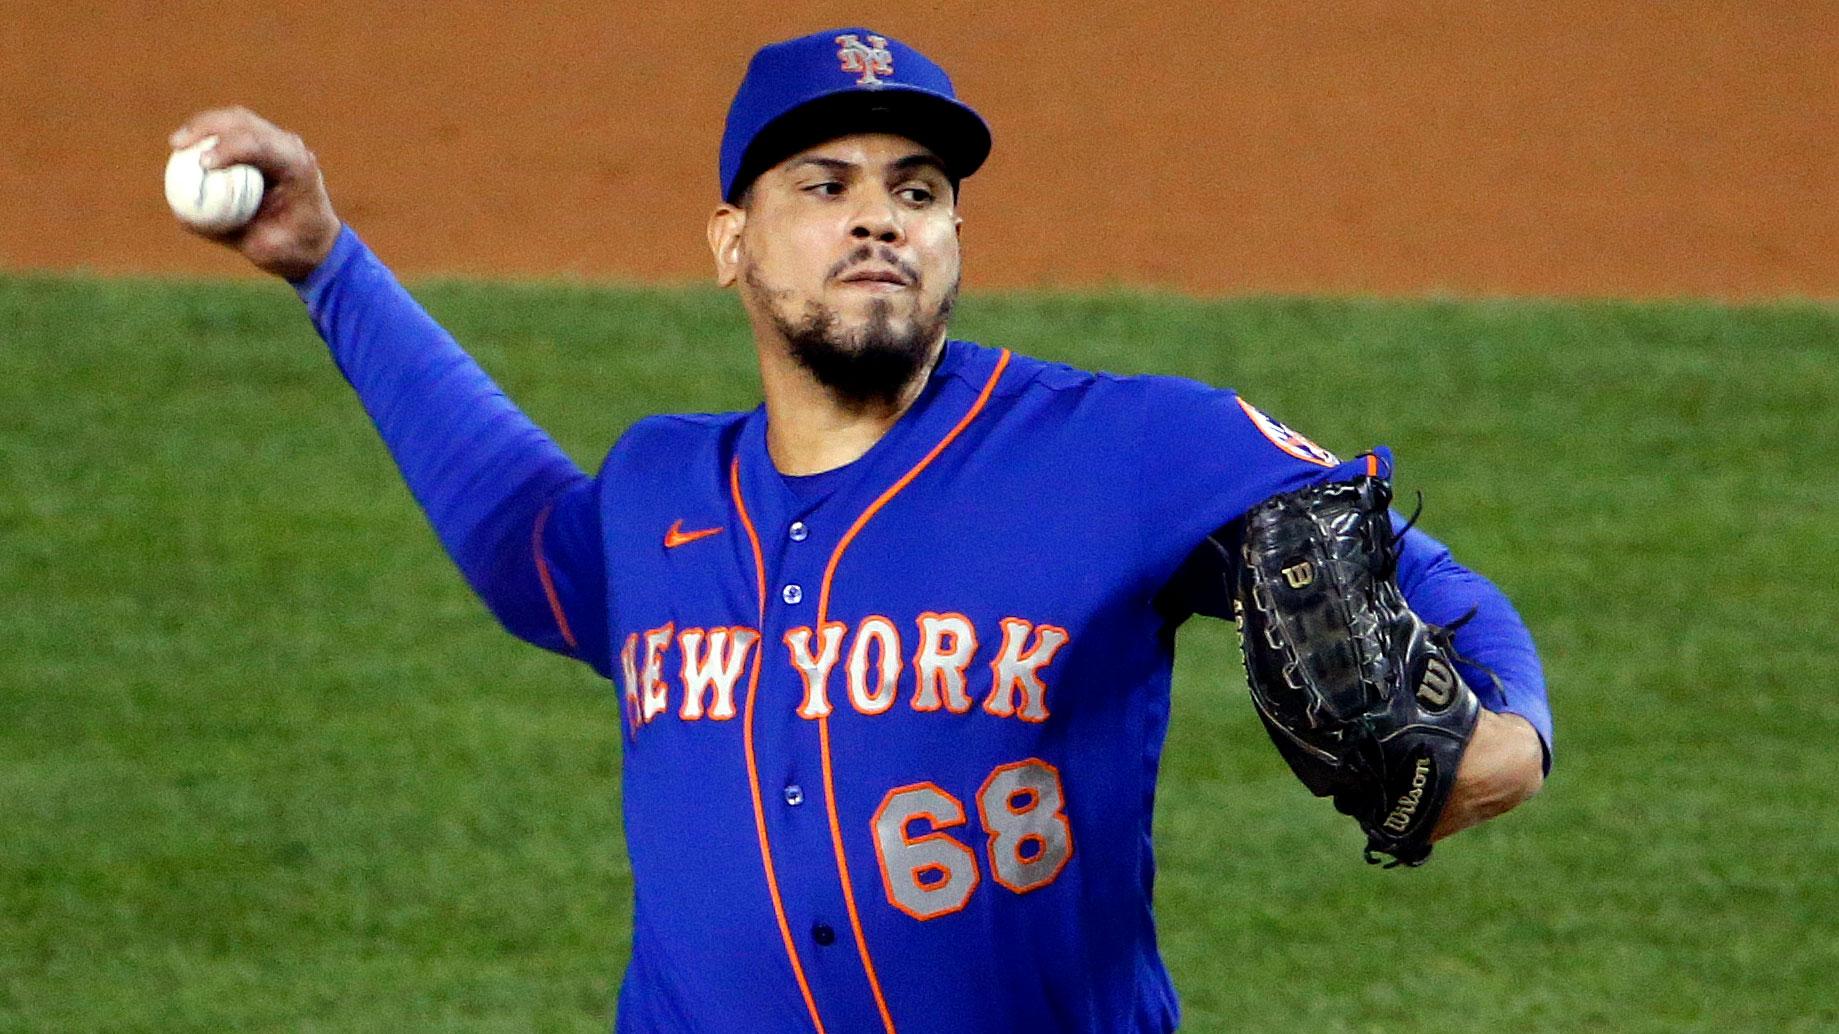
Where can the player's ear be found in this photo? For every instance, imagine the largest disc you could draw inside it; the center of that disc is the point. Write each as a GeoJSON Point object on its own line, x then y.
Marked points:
{"type": "Point", "coordinates": [725, 225]}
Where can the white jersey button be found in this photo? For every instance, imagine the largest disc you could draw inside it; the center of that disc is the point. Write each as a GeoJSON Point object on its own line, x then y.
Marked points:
{"type": "Point", "coordinates": [794, 795]}
{"type": "Point", "coordinates": [798, 531]}
{"type": "Point", "coordinates": [792, 594]}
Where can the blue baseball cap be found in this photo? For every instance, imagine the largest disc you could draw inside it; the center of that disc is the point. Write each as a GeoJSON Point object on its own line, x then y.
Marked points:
{"type": "Point", "coordinates": [801, 92]}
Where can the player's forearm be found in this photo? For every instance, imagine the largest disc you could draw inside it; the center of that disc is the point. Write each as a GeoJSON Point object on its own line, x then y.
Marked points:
{"type": "Point", "coordinates": [478, 467]}
{"type": "Point", "coordinates": [1501, 769]}
{"type": "Point", "coordinates": [1506, 760]}
{"type": "Point", "coordinates": [1503, 664]}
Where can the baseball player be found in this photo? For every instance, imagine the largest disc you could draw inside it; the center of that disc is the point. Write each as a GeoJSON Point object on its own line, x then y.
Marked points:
{"type": "Point", "coordinates": [893, 649]}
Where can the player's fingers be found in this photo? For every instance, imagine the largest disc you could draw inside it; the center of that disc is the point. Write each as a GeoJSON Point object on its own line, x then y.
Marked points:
{"type": "Point", "coordinates": [281, 156]}
{"type": "Point", "coordinates": [244, 138]}
{"type": "Point", "coordinates": [214, 122]}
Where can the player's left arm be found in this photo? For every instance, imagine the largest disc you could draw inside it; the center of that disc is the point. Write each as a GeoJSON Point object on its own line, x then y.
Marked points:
{"type": "Point", "coordinates": [1233, 456]}
{"type": "Point", "coordinates": [1506, 760]}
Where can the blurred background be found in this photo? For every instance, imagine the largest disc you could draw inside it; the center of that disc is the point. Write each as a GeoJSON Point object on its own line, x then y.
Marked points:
{"type": "Point", "coordinates": [1573, 147]}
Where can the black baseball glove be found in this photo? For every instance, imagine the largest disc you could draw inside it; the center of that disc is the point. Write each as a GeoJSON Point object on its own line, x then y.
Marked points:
{"type": "Point", "coordinates": [1360, 695]}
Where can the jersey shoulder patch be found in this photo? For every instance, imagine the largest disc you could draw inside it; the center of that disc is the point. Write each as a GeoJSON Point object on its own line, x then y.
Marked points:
{"type": "Point", "coordinates": [1286, 439]}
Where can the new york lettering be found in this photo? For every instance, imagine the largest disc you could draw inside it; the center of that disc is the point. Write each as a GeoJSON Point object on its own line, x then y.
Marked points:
{"type": "Point", "coordinates": [700, 668]}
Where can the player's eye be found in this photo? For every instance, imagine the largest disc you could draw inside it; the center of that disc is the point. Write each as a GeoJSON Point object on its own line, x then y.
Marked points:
{"type": "Point", "coordinates": [825, 188]}
{"type": "Point", "coordinates": [917, 196]}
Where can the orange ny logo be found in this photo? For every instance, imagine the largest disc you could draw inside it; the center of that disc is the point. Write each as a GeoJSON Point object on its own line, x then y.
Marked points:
{"type": "Point", "coordinates": [865, 62]}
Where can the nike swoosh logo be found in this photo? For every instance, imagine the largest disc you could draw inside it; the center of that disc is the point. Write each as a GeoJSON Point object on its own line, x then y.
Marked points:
{"type": "Point", "coordinates": [676, 536]}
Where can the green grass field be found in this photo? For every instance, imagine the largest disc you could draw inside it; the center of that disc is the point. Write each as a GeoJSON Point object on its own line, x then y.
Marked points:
{"type": "Point", "coordinates": [265, 765]}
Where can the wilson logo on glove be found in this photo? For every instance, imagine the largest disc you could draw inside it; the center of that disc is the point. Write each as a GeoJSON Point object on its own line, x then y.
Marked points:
{"type": "Point", "coordinates": [1400, 819]}
{"type": "Point", "coordinates": [1438, 687]}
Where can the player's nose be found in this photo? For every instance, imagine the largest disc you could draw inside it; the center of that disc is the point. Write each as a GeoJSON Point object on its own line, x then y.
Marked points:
{"type": "Point", "coordinates": [877, 219]}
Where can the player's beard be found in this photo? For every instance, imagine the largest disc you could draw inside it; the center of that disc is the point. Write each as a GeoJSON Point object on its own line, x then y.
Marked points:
{"type": "Point", "coordinates": [868, 365]}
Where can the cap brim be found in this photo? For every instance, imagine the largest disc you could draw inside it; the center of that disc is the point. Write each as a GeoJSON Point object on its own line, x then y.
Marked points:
{"type": "Point", "coordinates": [942, 125]}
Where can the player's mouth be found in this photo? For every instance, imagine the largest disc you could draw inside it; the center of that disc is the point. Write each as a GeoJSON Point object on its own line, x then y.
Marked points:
{"type": "Point", "coordinates": [877, 279]}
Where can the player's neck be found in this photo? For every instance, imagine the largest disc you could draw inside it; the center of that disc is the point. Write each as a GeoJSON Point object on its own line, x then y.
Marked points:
{"type": "Point", "coordinates": [810, 429]}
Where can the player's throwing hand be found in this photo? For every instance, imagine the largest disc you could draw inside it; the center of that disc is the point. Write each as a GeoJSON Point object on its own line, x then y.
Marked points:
{"type": "Point", "coordinates": [294, 229]}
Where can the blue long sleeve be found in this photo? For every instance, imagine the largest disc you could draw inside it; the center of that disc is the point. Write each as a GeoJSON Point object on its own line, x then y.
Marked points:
{"type": "Point", "coordinates": [1494, 639]}
{"type": "Point", "coordinates": [507, 503]}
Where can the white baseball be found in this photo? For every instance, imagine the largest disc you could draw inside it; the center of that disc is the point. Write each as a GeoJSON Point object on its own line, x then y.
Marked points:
{"type": "Point", "coordinates": [213, 200]}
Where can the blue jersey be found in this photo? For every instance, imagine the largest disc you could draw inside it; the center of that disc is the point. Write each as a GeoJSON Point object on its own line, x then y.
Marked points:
{"type": "Point", "coordinates": [890, 733]}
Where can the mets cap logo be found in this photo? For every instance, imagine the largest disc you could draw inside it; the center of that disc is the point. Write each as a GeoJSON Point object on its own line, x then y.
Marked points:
{"type": "Point", "coordinates": [865, 62]}
{"type": "Point", "coordinates": [1286, 439]}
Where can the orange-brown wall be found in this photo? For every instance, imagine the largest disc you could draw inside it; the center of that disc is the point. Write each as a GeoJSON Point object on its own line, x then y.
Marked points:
{"type": "Point", "coordinates": [1565, 147]}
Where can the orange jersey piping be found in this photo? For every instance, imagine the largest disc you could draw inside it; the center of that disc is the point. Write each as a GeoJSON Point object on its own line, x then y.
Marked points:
{"type": "Point", "coordinates": [823, 724]}
{"type": "Point", "coordinates": [542, 575]}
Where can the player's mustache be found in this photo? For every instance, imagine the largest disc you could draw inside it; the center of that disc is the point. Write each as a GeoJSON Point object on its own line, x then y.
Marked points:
{"type": "Point", "coordinates": [869, 253]}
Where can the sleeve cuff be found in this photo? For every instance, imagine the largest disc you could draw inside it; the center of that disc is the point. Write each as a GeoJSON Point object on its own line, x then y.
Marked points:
{"type": "Point", "coordinates": [344, 249]}
{"type": "Point", "coordinates": [1375, 462]}
{"type": "Point", "coordinates": [1541, 721]}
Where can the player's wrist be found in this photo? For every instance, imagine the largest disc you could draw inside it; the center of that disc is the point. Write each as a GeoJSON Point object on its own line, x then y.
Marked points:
{"type": "Point", "coordinates": [311, 248]}
{"type": "Point", "coordinates": [1502, 768]}
{"type": "Point", "coordinates": [345, 249]}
